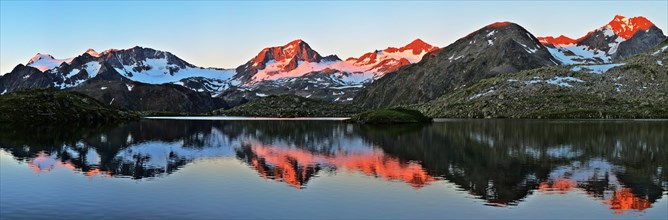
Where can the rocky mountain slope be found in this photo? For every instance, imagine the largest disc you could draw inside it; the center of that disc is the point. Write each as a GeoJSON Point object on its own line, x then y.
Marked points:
{"type": "Point", "coordinates": [110, 87]}
{"type": "Point", "coordinates": [498, 48]}
{"type": "Point", "coordinates": [138, 64]}
{"type": "Point", "coordinates": [636, 87]}
{"type": "Point", "coordinates": [297, 69]}
{"type": "Point", "coordinates": [620, 38]}
{"type": "Point", "coordinates": [294, 68]}
{"type": "Point", "coordinates": [141, 78]}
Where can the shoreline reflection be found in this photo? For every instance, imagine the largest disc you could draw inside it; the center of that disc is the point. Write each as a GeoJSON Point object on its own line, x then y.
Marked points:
{"type": "Point", "coordinates": [621, 164]}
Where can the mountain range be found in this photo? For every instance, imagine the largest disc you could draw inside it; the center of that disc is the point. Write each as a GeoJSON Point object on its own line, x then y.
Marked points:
{"type": "Point", "coordinates": [141, 78]}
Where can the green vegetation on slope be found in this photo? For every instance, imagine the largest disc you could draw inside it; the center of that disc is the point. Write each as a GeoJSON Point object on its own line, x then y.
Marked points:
{"type": "Point", "coordinates": [390, 116]}
{"type": "Point", "coordinates": [50, 105]}
{"type": "Point", "coordinates": [286, 106]}
{"type": "Point", "coordinates": [636, 89]}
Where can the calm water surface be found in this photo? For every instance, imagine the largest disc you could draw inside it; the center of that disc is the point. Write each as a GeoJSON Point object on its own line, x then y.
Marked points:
{"type": "Point", "coordinates": [328, 169]}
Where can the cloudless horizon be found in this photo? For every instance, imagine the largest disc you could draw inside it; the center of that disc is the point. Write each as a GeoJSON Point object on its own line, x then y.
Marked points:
{"type": "Point", "coordinates": [227, 34]}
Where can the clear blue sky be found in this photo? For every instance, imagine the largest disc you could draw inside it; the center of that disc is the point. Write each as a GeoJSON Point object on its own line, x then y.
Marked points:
{"type": "Point", "coordinates": [227, 33]}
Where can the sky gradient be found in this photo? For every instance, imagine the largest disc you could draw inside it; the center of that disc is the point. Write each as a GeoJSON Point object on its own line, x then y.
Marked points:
{"type": "Point", "coordinates": [229, 33]}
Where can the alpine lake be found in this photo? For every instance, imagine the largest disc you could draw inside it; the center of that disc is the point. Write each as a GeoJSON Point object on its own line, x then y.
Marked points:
{"type": "Point", "coordinates": [218, 167]}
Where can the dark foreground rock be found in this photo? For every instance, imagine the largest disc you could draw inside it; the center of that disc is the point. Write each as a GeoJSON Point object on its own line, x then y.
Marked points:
{"type": "Point", "coordinates": [288, 106]}
{"type": "Point", "coordinates": [389, 116]}
{"type": "Point", "coordinates": [48, 105]}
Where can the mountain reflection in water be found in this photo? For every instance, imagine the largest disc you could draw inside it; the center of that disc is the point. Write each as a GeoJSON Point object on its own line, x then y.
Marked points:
{"type": "Point", "coordinates": [620, 163]}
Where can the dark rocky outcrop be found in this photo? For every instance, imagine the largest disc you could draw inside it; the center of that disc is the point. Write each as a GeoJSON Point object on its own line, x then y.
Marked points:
{"type": "Point", "coordinates": [108, 86]}
{"type": "Point", "coordinates": [24, 77]}
{"type": "Point", "coordinates": [289, 106]}
{"type": "Point", "coordinates": [389, 116]}
{"type": "Point", "coordinates": [50, 105]}
{"type": "Point", "coordinates": [640, 42]}
{"type": "Point", "coordinates": [496, 49]}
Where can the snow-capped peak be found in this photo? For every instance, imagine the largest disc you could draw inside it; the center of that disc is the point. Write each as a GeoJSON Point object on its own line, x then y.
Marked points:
{"type": "Point", "coordinates": [627, 27]}
{"type": "Point", "coordinates": [558, 41]}
{"type": "Point", "coordinates": [296, 49]}
{"type": "Point", "coordinates": [93, 53]}
{"type": "Point", "coordinates": [417, 46]}
{"type": "Point", "coordinates": [44, 62]}
{"type": "Point", "coordinates": [601, 45]}
{"type": "Point", "coordinates": [499, 24]}
{"type": "Point", "coordinates": [412, 52]}
{"type": "Point", "coordinates": [40, 56]}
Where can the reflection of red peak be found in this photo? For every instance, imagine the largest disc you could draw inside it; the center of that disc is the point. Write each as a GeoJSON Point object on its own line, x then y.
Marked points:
{"type": "Point", "coordinates": [296, 166]}
{"type": "Point", "coordinates": [561, 40]}
{"type": "Point", "coordinates": [624, 199]}
{"type": "Point", "coordinates": [627, 27]}
{"type": "Point", "coordinates": [558, 185]}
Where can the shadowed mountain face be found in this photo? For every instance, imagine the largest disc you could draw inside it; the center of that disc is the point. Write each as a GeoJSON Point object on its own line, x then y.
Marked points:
{"type": "Point", "coordinates": [496, 49]}
{"type": "Point", "coordinates": [500, 162]}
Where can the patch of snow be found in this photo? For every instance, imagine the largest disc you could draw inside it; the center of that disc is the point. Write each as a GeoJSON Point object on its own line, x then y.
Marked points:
{"type": "Point", "coordinates": [103, 88]}
{"type": "Point", "coordinates": [596, 69]}
{"type": "Point", "coordinates": [614, 45]}
{"type": "Point", "coordinates": [349, 99]}
{"type": "Point", "coordinates": [92, 68]}
{"type": "Point", "coordinates": [581, 54]}
{"type": "Point", "coordinates": [273, 71]}
{"type": "Point", "coordinates": [608, 32]}
{"type": "Point", "coordinates": [528, 49]}
{"type": "Point", "coordinates": [44, 62]}
{"type": "Point", "coordinates": [660, 50]}
{"type": "Point", "coordinates": [490, 42]}
{"type": "Point", "coordinates": [129, 87]}
{"type": "Point", "coordinates": [491, 33]}
{"type": "Point", "coordinates": [490, 91]}
{"type": "Point", "coordinates": [534, 81]}
{"type": "Point", "coordinates": [563, 81]}
{"type": "Point", "coordinates": [26, 76]}
{"type": "Point", "coordinates": [560, 81]}
{"type": "Point", "coordinates": [3, 92]}
{"type": "Point", "coordinates": [347, 87]}
{"type": "Point", "coordinates": [618, 87]}
{"type": "Point", "coordinates": [72, 73]}
{"type": "Point", "coordinates": [261, 95]}
{"type": "Point", "coordinates": [659, 62]}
